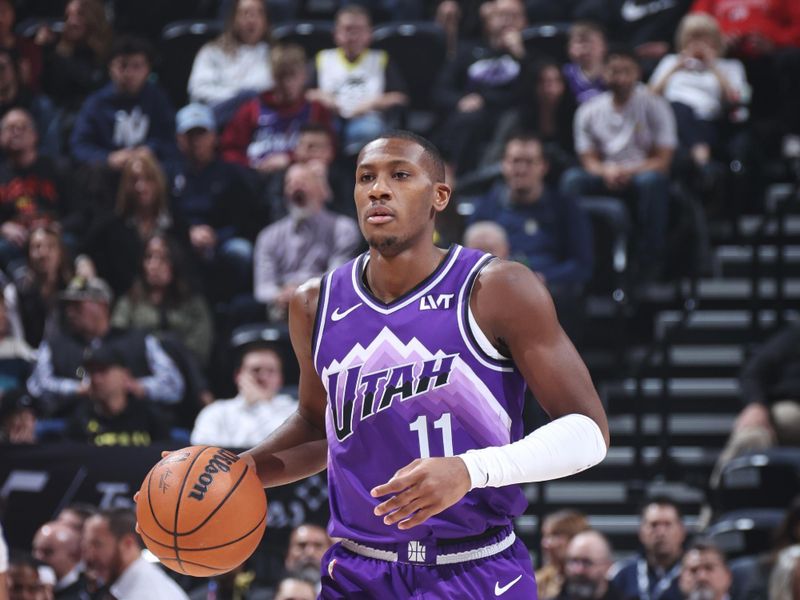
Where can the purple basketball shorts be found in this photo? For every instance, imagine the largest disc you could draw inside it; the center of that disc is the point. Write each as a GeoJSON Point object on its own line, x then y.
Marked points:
{"type": "Point", "coordinates": [420, 570]}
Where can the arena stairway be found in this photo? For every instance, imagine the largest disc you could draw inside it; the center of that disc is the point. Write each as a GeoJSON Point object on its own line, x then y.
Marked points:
{"type": "Point", "coordinates": [688, 392]}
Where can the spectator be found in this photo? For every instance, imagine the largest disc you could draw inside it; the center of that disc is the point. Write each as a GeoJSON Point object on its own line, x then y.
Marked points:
{"type": "Point", "coordinates": [306, 243]}
{"type": "Point", "coordinates": [162, 301]}
{"type": "Point", "coordinates": [550, 113]}
{"type": "Point", "coordinates": [74, 515]}
{"type": "Point", "coordinates": [700, 85]}
{"type": "Point", "coordinates": [293, 588]}
{"type": "Point", "coordinates": [482, 83]}
{"type": "Point", "coordinates": [308, 543]}
{"type": "Point", "coordinates": [4, 585]}
{"type": "Point", "coordinates": [625, 139]}
{"type": "Point", "coordinates": [113, 416]}
{"type": "Point", "coordinates": [23, 578]}
{"type": "Point", "coordinates": [16, 356]}
{"type": "Point", "coordinates": [755, 28]}
{"type": "Point", "coordinates": [128, 113]}
{"type": "Point", "coordinates": [32, 188]}
{"type": "Point", "coordinates": [358, 84]}
{"type": "Point", "coordinates": [547, 231]}
{"type": "Point", "coordinates": [704, 573]}
{"type": "Point", "coordinates": [264, 131]}
{"type": "Point", "coordinates": [584, 73]}
{"type": "Point", "coordinates": [657, 568]}
{"type": "Point", "coordinates": [114, 563]}
{"type": "Point", "coordinates": [558, 529]}
{"type": "Point", "coordinates": [17, 418]}
{"type": "Point", "coordinates": [28, 54]}
{"type": "Point", "coordinates": [588, 559]}
{"type": "Point", "coordinates": [213, 198]}
{"type": "Point", "coordinates": [784, 581]}
{"type": "Point", "coordinates": [58, 375]}
{"type": "Point", "coordinates": [75, 60]}
{"type": "Point", "coordinates": [258, 409]}
{"type": "Point", "coordinates": [770, 390]}
{"type": "Point", "coordinates": [38, 283]}
{"type": "Point", "coordinates": [115, 243]}
{"type": "Point", "coordinates": [490, 237]}
{"type": "Point", "coordinates": [14, 95]}
{"type": "Point", "coordinates": [235, 66]}
{"type": "Point", "coordinates": [59, 546]}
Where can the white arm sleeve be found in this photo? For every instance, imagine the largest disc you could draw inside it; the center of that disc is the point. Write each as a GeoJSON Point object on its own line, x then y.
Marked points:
{"type": "Point", "coordinates": [566, 446]}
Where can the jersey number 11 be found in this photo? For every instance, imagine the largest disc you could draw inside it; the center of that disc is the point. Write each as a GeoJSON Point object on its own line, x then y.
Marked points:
{"type": "Point", "coordinates": [421, 427]}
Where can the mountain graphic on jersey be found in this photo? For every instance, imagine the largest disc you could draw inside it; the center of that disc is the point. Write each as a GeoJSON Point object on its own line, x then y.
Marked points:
{"type": "Point", "coordinates": [419, 381]}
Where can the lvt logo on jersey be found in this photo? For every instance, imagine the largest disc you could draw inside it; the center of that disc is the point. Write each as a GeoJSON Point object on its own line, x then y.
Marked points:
{"type": "Point", "coordinates": [431, 302]}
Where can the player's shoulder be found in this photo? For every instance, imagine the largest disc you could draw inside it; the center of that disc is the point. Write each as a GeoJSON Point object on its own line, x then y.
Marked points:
{"type": "Point", "coordinates": [503, 285]}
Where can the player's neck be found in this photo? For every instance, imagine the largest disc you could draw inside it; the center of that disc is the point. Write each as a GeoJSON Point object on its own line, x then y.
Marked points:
{"type": "Point", "coordinates": [389, 277]}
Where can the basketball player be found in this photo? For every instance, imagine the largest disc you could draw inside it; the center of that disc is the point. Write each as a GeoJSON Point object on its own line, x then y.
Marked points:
{"type": "Point", "coordinates": [413, 366]}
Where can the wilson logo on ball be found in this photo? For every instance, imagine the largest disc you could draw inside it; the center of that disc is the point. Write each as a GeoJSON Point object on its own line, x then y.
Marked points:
{"type": "Point", "coordinates": [221, 461]}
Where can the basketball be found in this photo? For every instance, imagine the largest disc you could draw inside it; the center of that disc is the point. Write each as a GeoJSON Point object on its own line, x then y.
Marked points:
{"type": "Point", "coordinates": [201, 511]}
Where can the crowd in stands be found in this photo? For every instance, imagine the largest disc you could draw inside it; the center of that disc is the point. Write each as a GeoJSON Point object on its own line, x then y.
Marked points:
{"type": "Point", "coordinates": [136, 235]}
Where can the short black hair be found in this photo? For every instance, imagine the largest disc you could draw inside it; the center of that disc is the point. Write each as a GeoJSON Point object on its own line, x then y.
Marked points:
{"type": "Point", "coordinates": [431, 151]}
{"type": "Point", "coordinates": [256, 346]}
{"type": "Point", "coordinates": [660, 500]}
{"type": "Point", "coordinates": [121, 522]}
{"type": "Point", "coordinates": [128, 45]}
{"type": "Point", "coordinates": [622, 51]}
{"type": "Point", "coordinates": [524, 136]}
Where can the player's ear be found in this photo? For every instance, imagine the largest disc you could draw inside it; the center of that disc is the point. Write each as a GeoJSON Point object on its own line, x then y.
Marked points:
{"type": "Point", "coordinates": [441, 199]}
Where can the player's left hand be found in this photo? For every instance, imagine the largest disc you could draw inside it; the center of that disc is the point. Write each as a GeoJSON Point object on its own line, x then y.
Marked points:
{"type": "Point", "coordinates": [422, 489]}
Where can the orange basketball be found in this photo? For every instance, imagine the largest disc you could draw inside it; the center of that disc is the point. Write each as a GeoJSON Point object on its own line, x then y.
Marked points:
{"type": "Point", "coordinates": [202, 511]}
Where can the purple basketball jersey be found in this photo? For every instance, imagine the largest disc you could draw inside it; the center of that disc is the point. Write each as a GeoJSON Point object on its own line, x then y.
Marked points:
{"type": "Point", "coordinates": [412, 379]}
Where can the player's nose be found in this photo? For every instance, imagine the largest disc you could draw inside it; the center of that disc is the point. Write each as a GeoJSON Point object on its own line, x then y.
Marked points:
{"type": "Point", "coordinates": [380, 189]}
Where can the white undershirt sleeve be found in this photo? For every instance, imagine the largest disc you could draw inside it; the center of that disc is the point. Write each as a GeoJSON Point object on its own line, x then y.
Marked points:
{"type": "Point", "coordinates": [563, 447]}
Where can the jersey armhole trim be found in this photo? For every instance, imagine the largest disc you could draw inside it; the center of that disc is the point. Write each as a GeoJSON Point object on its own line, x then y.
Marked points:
{"type": "Point", "coordinates": [319, 317]}
{"type": "Point", "coordinates": [476, 340]}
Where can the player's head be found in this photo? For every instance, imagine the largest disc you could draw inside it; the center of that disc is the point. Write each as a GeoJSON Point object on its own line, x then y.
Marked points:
{"type": "Point", "coordinates": [661, 530]}
{"type": "Point", "coordinates": [400, 187]}
{"type": "Point", "coordinates": [307, 544]}
{"type": "Point", "coordinates": [110, 544]}
{"type": "Point", "coordinates": [704, 572]}
{"type": "Point", "coordinates": [524, 165]}
{"type": "Point", "coordinates": [58, 545]}
{"type": "Point", "coordinates": [587, 564]}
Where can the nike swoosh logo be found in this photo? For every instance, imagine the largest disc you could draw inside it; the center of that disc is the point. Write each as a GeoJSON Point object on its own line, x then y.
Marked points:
{"type": "Point", "coordinates": [338, 316]}
{"type": "Point", "coordinates": [499, 591]}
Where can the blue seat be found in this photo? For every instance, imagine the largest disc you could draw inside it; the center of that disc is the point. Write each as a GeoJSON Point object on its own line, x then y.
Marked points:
{"type": "Point", "coordinates": [768, 479]}
{"type": "Point", "coordinates": [746, 532]}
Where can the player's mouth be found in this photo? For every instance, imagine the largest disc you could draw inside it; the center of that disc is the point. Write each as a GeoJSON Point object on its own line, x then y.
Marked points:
{"type": "Point", "coordinates": [379, 214]}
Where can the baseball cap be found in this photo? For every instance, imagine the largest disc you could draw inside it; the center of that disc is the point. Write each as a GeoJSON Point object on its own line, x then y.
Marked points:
{"type": "Point", "coordinates": [93, 289]}
{"type": "Point", "coordinates": [103, 356]}
{"type": "Point", "coordinates": [193, 116]}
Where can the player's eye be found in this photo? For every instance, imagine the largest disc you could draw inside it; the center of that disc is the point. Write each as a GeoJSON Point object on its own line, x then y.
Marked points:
{"type": "Point", "coordinates": [366, 177]}
{"type": "Point", "coordinates": [401, 175]}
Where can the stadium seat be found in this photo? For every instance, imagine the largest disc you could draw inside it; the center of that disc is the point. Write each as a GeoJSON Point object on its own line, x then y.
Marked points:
{"type": "Point", "coordinates": [180, 42]}
{"type": "Point", "coordinates": [548, 40]}
{"type": "Point", "coordinates": [418, 50]}
{"type": "Point", "coordinates": [745, 532]}
{"type": "Point", "coordinates": [769, 479]}
{"type": "Point", "coordinates": [313, 36]}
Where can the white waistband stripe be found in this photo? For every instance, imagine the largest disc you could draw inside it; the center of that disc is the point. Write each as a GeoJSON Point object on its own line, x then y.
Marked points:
{"type": "Point", "coordinates": [441, 559]}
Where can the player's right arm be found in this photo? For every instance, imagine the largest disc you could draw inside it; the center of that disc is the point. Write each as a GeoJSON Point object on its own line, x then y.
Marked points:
{"type": "Point", "coordinates": [298, 448]}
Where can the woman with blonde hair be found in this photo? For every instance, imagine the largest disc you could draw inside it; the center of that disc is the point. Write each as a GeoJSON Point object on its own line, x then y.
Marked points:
{"type": "Point", "coordinates": [700, 85]}
{"type": "Point", "coordinates": [235, 66]}
{"type": "Point", "coordinates": [116, 242]}
{"type": "Point", "coordinates": [558, 529]}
